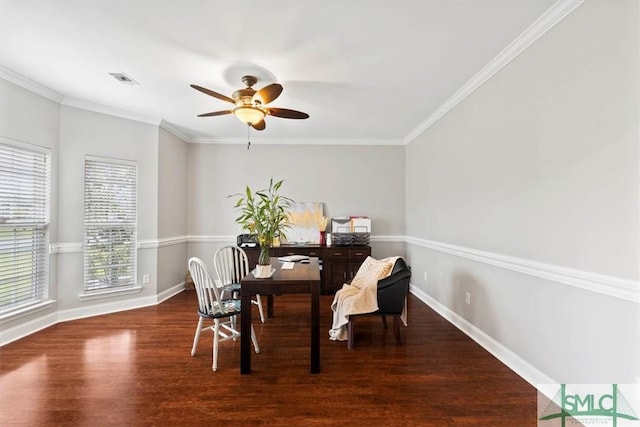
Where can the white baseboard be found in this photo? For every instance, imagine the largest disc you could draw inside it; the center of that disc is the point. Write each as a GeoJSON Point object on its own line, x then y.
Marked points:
{"type": "Point", "coordinates": [35, 325]}
{"type": "Point", "coordinates": [30, 327]}
{"type": "Point", "coordinates": [518, 365]}
{"type": "Point", "coordinates": [174, 290]}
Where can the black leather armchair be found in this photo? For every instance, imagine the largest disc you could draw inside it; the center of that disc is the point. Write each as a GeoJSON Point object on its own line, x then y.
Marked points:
{"type": "Point", "coordinates": [392, 294]}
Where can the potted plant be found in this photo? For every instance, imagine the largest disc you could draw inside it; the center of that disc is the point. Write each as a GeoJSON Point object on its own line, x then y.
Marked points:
{"type": "Point", "coordinates": [264, 214]}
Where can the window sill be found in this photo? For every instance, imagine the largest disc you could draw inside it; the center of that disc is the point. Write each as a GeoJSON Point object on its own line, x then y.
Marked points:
{"type": "Point", "coordinates": [26, 311]}
{"type": "Point", "coordinates": [109, 293]}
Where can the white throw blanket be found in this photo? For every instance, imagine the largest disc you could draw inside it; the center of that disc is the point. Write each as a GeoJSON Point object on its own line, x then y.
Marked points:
{"type": "Point", "coordinates": [352, 300]}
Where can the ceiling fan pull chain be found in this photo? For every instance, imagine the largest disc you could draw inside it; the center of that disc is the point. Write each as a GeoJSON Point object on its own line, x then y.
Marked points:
{"type": "Point", "coordinates": [248, 140]}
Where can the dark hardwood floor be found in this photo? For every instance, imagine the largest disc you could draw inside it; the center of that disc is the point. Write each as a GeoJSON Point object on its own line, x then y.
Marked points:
{"type": "Point", "coordinates": [135, 368]}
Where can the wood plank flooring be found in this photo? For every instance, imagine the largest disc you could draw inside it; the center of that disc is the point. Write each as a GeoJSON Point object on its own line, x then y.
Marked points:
{"type": "Point", "coordinates": [134, 369]}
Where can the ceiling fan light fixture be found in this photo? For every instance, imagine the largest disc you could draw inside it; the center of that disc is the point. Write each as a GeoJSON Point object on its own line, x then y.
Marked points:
{"type": "Point", "coordinates": [249, 115]}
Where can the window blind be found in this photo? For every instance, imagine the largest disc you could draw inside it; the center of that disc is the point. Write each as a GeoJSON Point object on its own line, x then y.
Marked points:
{"type": "Point", "coordinates": [24, 226]}
{"type": "Point", "coordinates": [109, 225]}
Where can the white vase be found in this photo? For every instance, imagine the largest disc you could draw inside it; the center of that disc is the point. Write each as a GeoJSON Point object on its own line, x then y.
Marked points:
{"type": "Point", "coordinates": [263, 271]}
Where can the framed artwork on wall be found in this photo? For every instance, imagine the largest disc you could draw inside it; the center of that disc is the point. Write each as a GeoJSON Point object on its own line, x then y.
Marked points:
{"type": "Point", "coordinates": [305, 219]}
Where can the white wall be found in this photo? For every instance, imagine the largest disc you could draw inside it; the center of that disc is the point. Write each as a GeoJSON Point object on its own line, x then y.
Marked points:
{"type": "Point", "coordinates": [540, 164]}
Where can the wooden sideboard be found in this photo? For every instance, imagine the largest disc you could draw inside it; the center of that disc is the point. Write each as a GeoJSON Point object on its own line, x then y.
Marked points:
{"type": "Point", "coordinates": [339, 263]}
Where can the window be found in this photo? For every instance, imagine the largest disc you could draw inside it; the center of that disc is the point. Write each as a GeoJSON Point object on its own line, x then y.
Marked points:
{"type": "Point", "coordinates": [24, 226]}
{"type": "Point", "coordinates": [109, 225]}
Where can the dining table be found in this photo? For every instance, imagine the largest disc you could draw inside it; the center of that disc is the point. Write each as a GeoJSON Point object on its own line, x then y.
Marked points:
{"type": "Point", "coordinates": [303, 278]}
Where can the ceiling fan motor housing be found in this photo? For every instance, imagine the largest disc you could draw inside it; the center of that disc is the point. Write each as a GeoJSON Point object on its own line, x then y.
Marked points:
{"type": "Point", "coordinates": [244, 96]}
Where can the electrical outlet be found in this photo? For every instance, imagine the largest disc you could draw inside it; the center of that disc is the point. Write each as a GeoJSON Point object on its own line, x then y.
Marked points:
{"type": "Point", "coordinates": [467, 297]}
{"type": "Point", "coordinates": [425, 276]}
{"type": "Point", "coordinates": [145, 278]}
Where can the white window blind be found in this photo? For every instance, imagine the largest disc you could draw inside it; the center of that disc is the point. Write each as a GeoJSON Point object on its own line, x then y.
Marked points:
{"type": "Point", "coordinates": [24, 226]}
{"type": "Point", "coordinates": [109, 224]}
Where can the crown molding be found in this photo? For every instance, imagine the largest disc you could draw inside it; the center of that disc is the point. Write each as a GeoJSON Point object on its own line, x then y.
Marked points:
{"type": "Point", "coordinates": [175, 131]}
{"type": "Point", "coordinates": [110, 111]}
{"type": "Point", "coordinates": [30, 85]}
{"type": "Point", "coordinates": [548, 20]}
{"type": "Point", "coordinates": [299, 141]}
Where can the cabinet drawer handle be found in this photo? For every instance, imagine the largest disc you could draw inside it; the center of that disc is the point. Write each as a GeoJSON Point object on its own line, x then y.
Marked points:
{"type": "Point", "coordinates": [337, 254]}
{"type": "Point", "coordinates": [312, 253]}
{"type": "Point", "coordinates": [358, 253]}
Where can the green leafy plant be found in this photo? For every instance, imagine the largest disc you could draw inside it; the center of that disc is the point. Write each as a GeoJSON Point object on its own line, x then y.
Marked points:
{"type": "Point", "coordinates": [264, 214]}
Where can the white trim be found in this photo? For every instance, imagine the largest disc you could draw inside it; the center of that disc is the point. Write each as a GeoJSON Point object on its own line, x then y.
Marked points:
{"type": "Point", "coordinates": [170, 241]}
{"type": "Point", "coordinates": [298, 141]}
{"type": "Point", "coordinates": [211, 239]}
{"type": "Point", "coordinates": [161, 243]}
{"type": "Point", "coordinates": [25, 145]}
{"type": "Point", "coordinates": [30, 85]}
{"type": "Point", "coordinates": [607, 285]}
{"type": "Point", "coordinates": [172, 291]}
{"type": "Point", "coordinates": [22, 330]}
{"type": "Point", "coordinates": [25, 329]}
{"type": "Point", "coordinates": [175, 131]}
{"type": "Point", "coordinates": [548, 20]}
{"type": "Point", "coordinates": [148, 244]}
{"type": "Point", "coordinates": [106, 308]}
{"type": "Point", "coordinates": [26, 311]}
{"type": "Point", "coordinates": [544, 23]}
{"type": "Point", "coordinates": [110, 111]}
{"type": "Point", "coordinates": [65, 248]}
{"type": "Point", "coordinates": [514, 362]}
{"type": "Point", "coordinates": [387, 239]}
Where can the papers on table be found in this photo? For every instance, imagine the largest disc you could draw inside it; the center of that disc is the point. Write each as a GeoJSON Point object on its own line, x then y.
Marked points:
{"type": "Point", "coordinates": [292, 258]}
{"type": "Point", "coordinates": [288, 265]}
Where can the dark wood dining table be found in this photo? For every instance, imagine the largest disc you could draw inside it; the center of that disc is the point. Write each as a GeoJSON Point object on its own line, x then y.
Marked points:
{"type": "Point", "coordinates": [302, 279]}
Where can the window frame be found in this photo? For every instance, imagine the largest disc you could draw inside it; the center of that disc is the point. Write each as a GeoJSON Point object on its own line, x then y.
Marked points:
{"type": "Point", "coordinates": [113, 229]}
{"type": "Point", "coordinates": [37, 222]}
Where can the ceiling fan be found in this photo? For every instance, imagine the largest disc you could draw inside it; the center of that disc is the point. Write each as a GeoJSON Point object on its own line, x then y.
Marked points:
{"type": "Point", "coordinates": [250, 104]}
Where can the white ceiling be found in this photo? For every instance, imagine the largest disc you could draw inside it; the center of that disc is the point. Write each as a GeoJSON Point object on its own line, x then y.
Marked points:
{"type": "Point", "coordinates": [365, 71]}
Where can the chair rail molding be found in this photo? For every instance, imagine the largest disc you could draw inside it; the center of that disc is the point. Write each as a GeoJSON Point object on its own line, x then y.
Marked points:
{"type": "Point", "coordinates": [72, 247]}
{"type": "Point", "coordinates": [625, 289]}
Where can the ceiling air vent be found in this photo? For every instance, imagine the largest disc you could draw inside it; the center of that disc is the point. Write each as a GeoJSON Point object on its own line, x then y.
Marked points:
{"type": "Point", "coordinates": [124, 79]}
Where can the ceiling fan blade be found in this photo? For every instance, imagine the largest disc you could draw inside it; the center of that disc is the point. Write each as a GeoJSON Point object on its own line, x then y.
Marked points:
{"type": "Point", "coordinates": [216, 113]}
{"type": "Point", "coordinates": [287, 114]}
{"type": "Point", "coordinates": [260, 125]}
{"type": "Point", "coordinates": [212, 93]}
{"type": "Point", "coordinates": [269, 93]}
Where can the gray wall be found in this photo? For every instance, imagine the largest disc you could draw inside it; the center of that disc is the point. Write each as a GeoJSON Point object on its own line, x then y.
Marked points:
{"type": "Point", "coordinates": [33, 119]}
{"type": "Point", "coordinates": [349, 180]}
{"type": "Point", "coordinates": [172, 210]}
{"type": "Point", "coordinates": [541, 164]}
{"type": "Point", "coordinates": [85, 133]}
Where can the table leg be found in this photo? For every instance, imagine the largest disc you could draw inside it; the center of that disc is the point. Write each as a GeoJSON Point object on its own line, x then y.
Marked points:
{"type": "Point", "coordinates": [245, 334]}
{"type": "Point", "coordinates": [269, 306]}
{"type": "Point", "coordinates": [315, 329]}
